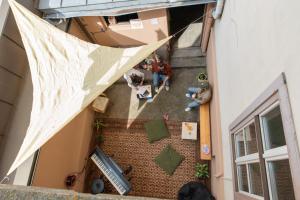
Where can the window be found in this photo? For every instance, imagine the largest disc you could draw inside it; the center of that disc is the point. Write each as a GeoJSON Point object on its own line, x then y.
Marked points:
{"type": "Point", "coordinates": [247, 161]}
{"type": "Point", "coordinates": [120, 19]}
{"type": "Point", "coordinates": [266, 155]}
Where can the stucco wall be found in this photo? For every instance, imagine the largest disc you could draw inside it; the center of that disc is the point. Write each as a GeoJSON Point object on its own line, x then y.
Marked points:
{"type": "Point", "coordinates": [16, 90]}
{"type": "Point", "coordinates": [13, 81]}
{"type": "Point", "coordinates": [65, 153]}
{"type": "Point", "coordinates": [217, 186]}
{"type": "Point", "coordinates": [123, 35]}
{"type": "Point", "coordinates": [255, 41]}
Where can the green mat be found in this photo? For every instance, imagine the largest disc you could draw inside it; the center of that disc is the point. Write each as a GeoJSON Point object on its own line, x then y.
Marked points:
{"type": "Point", "coordinates": [156, 130]}
{"type": "Point", "coordinates": [169, 159]}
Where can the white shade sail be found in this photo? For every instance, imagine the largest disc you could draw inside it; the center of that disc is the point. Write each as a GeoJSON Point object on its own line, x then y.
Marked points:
{"type": "Point", "coordinates": [67, 75]}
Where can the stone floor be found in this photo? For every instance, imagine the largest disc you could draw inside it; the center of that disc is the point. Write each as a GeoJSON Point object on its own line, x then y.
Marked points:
{"type": "Point", "coordinates": [130, 146]}
{"type": "Point", "coordinates": [125, 105]}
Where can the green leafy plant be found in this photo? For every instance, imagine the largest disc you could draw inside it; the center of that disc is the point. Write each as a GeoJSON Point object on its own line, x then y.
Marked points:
{"type": "Point", "coordinates": [202, 77]}
{"type": "Point", "coordinates": [99, 138]}
{"type": "Point", "coordinates": [202, 171]}
{"type": "Point", "coordinates": [98, 124]}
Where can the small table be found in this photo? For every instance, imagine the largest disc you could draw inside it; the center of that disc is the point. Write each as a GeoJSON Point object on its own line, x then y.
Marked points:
{"type": "Point", "coordinates": [189, 131]}
{"type": "Point", "coordinates": [100, 103]}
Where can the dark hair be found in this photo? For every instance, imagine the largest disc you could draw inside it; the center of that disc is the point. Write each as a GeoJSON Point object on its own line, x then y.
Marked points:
{"type": "Point", "coordinates": [136, 80]}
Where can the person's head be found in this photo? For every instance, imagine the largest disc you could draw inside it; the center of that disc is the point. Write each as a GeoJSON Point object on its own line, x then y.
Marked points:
{"type": "Point", "coordinates": [136, 80]}
{"type": "Point", "coordinates": [204, 85]}
{"type": "Point", "coordinates": [144, 65]}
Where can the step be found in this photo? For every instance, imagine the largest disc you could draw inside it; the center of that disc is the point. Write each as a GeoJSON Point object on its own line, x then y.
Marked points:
{"type": "Point", "coordinates": [187, 52]}
{"type": "Point", "coordinates": [190, 37]}
{"type": "Point", "coordinates": [188, 62]}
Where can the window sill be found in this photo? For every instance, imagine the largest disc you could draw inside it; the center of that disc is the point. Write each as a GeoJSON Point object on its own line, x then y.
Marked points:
{"type": "Point", "coordinates": [245, 196]}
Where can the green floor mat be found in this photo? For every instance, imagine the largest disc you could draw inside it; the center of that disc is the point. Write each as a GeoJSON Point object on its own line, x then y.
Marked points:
{"type": "Point", "coordinates": [156, 130]}
{"type": "Point", "coordinates": [169, 159]}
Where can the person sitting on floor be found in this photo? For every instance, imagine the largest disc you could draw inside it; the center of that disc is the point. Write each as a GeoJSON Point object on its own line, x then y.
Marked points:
{"type": "Point", "coordinates": [134, 78]}
{"type": "Point", "coordinates": [161, 72]}
{"type": "Point", "coordinates": [199, 95]}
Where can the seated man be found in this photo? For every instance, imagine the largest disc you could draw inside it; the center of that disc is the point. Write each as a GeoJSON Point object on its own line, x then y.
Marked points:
{"type": "Point", "coordinates": [199, 95]}
{"type": "Point", "coordinates": [161, 72]}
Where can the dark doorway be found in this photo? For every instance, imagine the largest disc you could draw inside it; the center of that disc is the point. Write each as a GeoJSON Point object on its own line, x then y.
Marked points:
{"type": "Point", "coordinates": [182, 16]}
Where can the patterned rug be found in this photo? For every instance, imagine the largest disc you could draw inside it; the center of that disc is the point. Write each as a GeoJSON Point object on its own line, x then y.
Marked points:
{"type": "Point", "coordinates": [129, 146]}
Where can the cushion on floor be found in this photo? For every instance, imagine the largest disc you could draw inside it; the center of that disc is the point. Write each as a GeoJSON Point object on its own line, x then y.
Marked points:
{"type": "Point", "coordinates": [169, 159]}
{"type": "Point", "coordinates": [156, 130]}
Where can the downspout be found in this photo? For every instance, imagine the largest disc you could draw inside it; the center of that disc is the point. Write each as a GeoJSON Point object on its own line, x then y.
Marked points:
{"type": "Point", "coordinates": [217, 11]}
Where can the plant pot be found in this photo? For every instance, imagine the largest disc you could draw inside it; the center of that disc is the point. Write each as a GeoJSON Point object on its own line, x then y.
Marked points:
{"type": "Point", "coordinates": [202, 77]}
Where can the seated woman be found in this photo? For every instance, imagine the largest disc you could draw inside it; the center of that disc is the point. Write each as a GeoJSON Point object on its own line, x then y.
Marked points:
{"type": "Point", "coordinates": [134, 78]}
{"type": "Point", "coordinates": [199, 95]}
{"type": "Point", "coordinates": [161, 72]}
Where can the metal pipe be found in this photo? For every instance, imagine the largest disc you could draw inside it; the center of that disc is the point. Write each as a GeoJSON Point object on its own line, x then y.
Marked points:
{"type": "Point", "coordinates": [217, 11]}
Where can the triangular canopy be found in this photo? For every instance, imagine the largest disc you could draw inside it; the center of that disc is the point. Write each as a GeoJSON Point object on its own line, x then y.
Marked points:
{"type": "Point", "coordinates": [67, 75]}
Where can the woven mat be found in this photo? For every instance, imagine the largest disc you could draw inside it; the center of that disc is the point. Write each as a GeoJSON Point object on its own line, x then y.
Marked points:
{"type": "Point", "coordinates": [131, 147]}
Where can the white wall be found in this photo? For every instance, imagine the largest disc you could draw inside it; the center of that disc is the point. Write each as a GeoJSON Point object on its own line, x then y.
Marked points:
{"type": "Point", "coordinates": [255, 41]}
{"type": "Point", "coordinates": [4, 7]}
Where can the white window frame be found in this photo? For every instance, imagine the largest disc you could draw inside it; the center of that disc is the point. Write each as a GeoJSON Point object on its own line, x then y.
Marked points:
{"type": "Point", "coordinates": [246, 160]}
{"type": "Point", "coordinates": [274, 154]}
{"type": "Point", "coordinates": [277, 91]}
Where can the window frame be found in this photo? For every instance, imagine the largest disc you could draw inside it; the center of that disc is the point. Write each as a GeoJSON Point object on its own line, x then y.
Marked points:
{"type": "Point", "coordinates": [276, 93]}
{"type": "Point", "coordinates": [117, 22]}
{"type": "Point", "coordinates": [246, 160]}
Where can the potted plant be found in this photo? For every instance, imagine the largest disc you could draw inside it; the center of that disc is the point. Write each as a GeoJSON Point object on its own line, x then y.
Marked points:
{"type": "Point", "coordinates": [202, 172]}
{"type": "Point", "coordinates": [98, 124]}
{"type": "Point", "coordinates": [202, 77]}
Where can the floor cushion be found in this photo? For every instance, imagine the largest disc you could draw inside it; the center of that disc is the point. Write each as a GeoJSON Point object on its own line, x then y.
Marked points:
{"type": "Point", "coordinates": [169, 159]}
{"type": "Point", "coordinates": [156, 130]}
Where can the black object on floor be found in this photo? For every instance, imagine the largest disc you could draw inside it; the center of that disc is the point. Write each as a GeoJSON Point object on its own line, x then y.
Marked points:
{"type": "Point", "coordinates": [97, 186]}
{"type": "Point", "coordinates": [194, 191]}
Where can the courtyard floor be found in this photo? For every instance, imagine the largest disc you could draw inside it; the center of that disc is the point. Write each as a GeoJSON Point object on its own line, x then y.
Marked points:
{"type": "Point", "coordinates": [125, 137]}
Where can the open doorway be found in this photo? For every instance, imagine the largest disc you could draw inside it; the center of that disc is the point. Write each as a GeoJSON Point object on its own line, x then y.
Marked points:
{"type": "Point", "coordinates": [183, 16]}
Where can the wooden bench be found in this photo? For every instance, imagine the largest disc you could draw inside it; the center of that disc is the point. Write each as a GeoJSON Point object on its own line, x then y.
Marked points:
{"type": "Point", "coordinates": [205, 141]}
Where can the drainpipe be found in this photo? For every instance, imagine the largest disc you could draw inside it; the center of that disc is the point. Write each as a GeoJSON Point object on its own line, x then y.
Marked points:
{"type": "Point", "coordinates": [217, 12]}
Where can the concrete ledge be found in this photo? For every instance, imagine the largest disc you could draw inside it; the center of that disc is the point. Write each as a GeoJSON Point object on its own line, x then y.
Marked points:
{"type": "Point", "coordinates": [13, 192]}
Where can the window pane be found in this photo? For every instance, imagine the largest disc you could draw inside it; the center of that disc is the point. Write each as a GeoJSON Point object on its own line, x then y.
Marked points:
{"type": "Point", "coordinates": [255, 179]}
{"type": "Point", "coordinates": [281, 180]}
{"type": "Point", "coordinates": [250, 135]}
{"type": "Point", "coordinates": [242, 178]}
{"type": "Point", "coordinates": [239, 143]}
{"type": "Point", "coordinates": [273, 129]}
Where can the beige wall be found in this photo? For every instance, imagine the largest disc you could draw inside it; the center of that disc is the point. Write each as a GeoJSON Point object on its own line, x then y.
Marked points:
{"type": "Point", "coordinates": [65, 153]}
{"type": "Point", "coordinates": [16, 99]}
{"type": "Point", "coordinates": [13, 73]}
{"type": "Point", "coordinates": [75, 30]}
{"type": "Point", "coordinates": [217, 185]}
{"type": "Point", "coordinates": [123, 35]}
{"type": "Point", "coordinates": [255, 41]}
